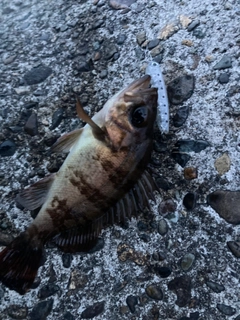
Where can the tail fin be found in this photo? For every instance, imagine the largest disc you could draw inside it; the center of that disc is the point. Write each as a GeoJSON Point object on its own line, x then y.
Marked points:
{"type": "Point", "coordinates": [19, 263]}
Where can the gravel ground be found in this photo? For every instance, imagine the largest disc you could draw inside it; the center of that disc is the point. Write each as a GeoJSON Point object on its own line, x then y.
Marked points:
{"type": "Point", "coordinates": [181, 260]}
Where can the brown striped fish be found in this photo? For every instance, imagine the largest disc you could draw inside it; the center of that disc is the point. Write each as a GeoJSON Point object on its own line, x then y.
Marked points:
{"type": "Point", "coordinates": [103, 180]}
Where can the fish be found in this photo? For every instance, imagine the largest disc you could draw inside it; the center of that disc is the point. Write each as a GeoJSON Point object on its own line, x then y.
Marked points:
{"type": "Point", "coordinates": [102, 181]}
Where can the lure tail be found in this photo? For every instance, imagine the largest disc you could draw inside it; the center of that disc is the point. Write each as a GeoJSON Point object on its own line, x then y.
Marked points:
{"type": "Point", "coordinates": [19, 263]}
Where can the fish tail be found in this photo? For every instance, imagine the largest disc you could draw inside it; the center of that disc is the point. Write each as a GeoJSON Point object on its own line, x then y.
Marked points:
{"type": "Point", "coordinates": [19, 263]}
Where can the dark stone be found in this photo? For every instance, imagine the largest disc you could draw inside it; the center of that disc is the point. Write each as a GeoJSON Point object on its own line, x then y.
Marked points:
{"type": "Point", "coordinates": [199, 33]}
{"type": "Point", "coordinates": [224, 63]}
{"type": "Point", "coordinates": [234, 246]}
{"type": "Point", "coordinates": [191, 145]}
{"type": "Point", "coordinates": [31, 126]}
{"type": "Point", "coordinates": [194, 315]}
{"type": "Point", "coordinates": [181, 116]}
{"type": "Point", "coordinates": [41, 310]}
{"type": "Point", "coordinates": [227, 310]}
{"type": "Point", "coordinates": [139, 53]}
{"type": "Point", "coordinates": [193, 25]}
{"type": "Point", "coordinates": [167, 206]}
{"type": "Point", "coordinates": [158, 58]}
{"type": "Point", "coordinates": [31, 104]}
{"type": "Point", "coordinates": [15, 129]}
{"type": "Point", "coordinates": [190, 200]}
{"type": "Point", "coordinates": [57, 118]}
{"type": "Point", "coordinates": [110, 50]}
{"type": "Point", "coordinates": [66, 260]}
{"type": "Point", "coordinates": [181, 158]}
{"type": "Point", "coordinates": [223, 78]}
{"type": "Point", "coordinates": [7, 148]}
{"type": "Point", "coordinates": [93, 311]}
{"type": "Point", "coordinates": [97, 24]}
{"type": "Point", "coordinates": [37, 75]}
{"type": "Point", "coordinates": [153, 43]}
{"type": "Point", "coordinates": [121, 38]}
{"type": "Point", "coordinates": [227, 204]}
{"type": "Point", "coordinates": [68, 316]}
{"type": "Point", "coordinates": [84, 66]}
{"type": "Point", "coordinates": [181, 89]}
{"type": "Point", "coordinates": [182, 287]}
{"type": "Point", "coordinates": [154, 292]}
{"type": "Point", "coordinates": [187, 261]}
{"type": "Point", "coordinates": [163, 272]}
{"type": "Point", "coordinates": [216, 287]}
{"type": "Point", "coordinates": [162, 227]}
{"type": "Point", "coordinates": [17, 312]}
{"type": "Point", "coordinates": [48, 290]}
{"type": "Point", "coordinates": [163, 184]}
{"type": "Point", "coordinates": [132, 301]}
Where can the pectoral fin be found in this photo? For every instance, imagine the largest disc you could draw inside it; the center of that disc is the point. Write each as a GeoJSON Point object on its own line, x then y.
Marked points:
{"type": "Point", "coordinates": [34, 196]}
{"type": "Point", "coordinates": [66, 141]}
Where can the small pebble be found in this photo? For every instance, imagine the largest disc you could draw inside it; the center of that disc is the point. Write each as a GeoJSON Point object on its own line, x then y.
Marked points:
{"type": "Point", "coordinates": [41, 310]}
{"type": "Point", "coordinates": [222, 164]}
{"type": "Point", "coordinates": [121, 39]}
{"type": "Point", "coordinates": [181, 116]}
{"type": "Point", "coordinates": [223, 78]}
{"type": "Point", "coordinates": [132, 301]}
{"type": "Point", "coordinates": [181, 158]}
{"type": "Point", "coordinates": [103, 74]}
{"type": "Point", "coordinates": [162, 227]}
{"type": "Point", "coordinates": [193, 25]}
{"type": "Point", "coordinates": [7, 148]}
{"type": "Point", "coordinates": [154, 292]}
{"type": "Point", "coordinates": [181, 89]}
{"type": "Point", "coordinates": [141, 37]}
{"type": "Point", "coordinates": [48, 290]}
{"type": "Point", "coordinates": [224, 63]}
{"type": "Point", "coordinates": [31, 126]}
{"type": "Point", "coordinates": [190, 200]}
{"type": "Point", "coordinates": [187, 261]}
{"type": "Point", "coordinates": [199, 33]}
{"type": "Point", "coordinates": [163, 272]}
{"type": "Point", "coordinates": [17, 311]}
{"type": "Point", "coordinates": [68, 316]}
{"type": "Point", "coordinates": [190, 173]}
{"type": "Point", "coordinates": [191, 145]}
{"type": "Point", "coordinates": [93, 310]}
{"type": "Point", "coordinates": [227, 204]}
{"type": "Point", "coordinates": [216, 287]}
{"type": "Point", "coordinates": [37, 75]}
{"type": "Point", "coordinates": [153, 43]}
{"type": "Point", "coordinates": [167, 206]}
{"type": "Point", "coordinates": [66, 260]}
{"type": "Point", "coordinates": [227, 310]}
{"type": "Point", "coordinates": [57, 118]}
{"type": "Point", "coordinates": [234, 246]}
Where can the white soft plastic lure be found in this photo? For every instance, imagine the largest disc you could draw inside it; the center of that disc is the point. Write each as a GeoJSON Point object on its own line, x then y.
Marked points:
{"type": "Point", "coordinates": [157, 81]}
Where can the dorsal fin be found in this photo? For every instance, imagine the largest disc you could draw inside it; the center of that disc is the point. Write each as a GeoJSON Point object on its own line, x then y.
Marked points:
{"type": "Point", "coordinates": [98, 133]}
{"type": "Point", "coordinates": [33, 197]}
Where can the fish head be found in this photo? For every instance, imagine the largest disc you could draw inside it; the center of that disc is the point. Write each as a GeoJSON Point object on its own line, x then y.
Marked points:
{"type": "Point", "coordinates": [131, 113]}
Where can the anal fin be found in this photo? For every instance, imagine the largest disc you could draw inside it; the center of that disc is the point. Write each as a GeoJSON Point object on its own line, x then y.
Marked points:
{"type": "Point", "coordinates": [78, 239]}
{"type": "Point", "coordinates": [33, 197]}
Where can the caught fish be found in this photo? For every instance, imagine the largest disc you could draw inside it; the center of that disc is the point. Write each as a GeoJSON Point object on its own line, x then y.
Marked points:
{"type": "Point", "coordinates": [102, 181]}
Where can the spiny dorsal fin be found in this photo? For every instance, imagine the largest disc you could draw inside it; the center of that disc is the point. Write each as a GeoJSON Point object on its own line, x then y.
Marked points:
{"type": "Point", "coordinates": [34, 196]}
{"type": "Point", "coordinates": [66, 141]}
{"type": "Point", "coordinates": [98, 133]}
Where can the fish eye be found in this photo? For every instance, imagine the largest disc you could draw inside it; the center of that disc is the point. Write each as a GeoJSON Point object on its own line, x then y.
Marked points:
{"type": "Point", "coordinates": [139, 117]}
